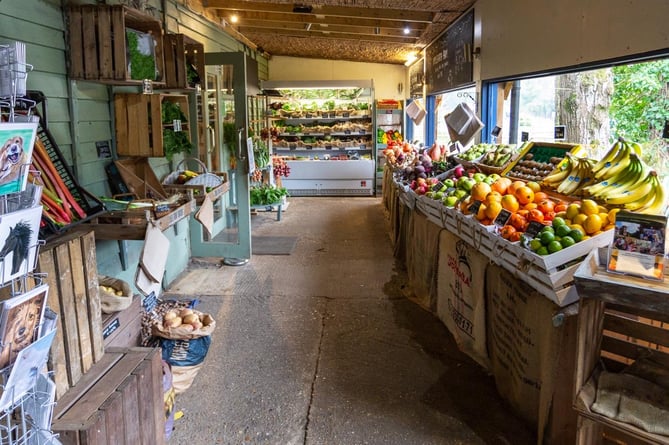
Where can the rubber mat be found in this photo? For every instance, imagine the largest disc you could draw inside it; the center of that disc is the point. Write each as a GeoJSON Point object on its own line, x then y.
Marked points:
{"type": "Point", "coordinates": [273, 245]}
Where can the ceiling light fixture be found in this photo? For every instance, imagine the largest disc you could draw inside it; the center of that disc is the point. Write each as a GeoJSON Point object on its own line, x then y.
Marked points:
{"type": "Point", "coordinates": [234, 18]}
{"type": "Point", "coordinates": [407, 30]}
{"type": "Point", "coordinates": [411, 58]}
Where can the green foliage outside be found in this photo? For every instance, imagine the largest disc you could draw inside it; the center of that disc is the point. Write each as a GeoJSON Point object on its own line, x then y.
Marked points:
{"type": "Point", "coordinates": [640, 108]}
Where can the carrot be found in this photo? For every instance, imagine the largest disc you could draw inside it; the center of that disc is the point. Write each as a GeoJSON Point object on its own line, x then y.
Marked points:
{"type": "Point", "coordinates": [41, 149]}
{"type": "Point", "coordinates": [47, 175]}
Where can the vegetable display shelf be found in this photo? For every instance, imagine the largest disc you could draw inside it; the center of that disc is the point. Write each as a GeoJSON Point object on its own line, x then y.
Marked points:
{"type": "Point", "coordinates": [623, 326]}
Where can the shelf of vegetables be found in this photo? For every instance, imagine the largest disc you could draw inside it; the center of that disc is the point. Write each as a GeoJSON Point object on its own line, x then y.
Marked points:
{"type": "Point", "coordinates": [313, 127]}
{"type": "Point", "coordinates": [529, 227]}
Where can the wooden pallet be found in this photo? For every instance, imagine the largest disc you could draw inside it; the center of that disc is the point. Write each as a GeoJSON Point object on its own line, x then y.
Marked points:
{"type": "Point", "coordinates": [69, 263]}
{"type": "Point", "coordinates": [118, 401]}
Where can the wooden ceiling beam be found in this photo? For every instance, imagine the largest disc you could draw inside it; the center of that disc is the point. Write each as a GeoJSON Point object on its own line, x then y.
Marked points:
{"type": "Point", "coordinates": [406, 15]}
{"type": "Point", "coordinates": [313, 19]}
{"type": "Point", "coordinates": [326, 34]}
{"type": "Point", "coordinates": [316, 27]}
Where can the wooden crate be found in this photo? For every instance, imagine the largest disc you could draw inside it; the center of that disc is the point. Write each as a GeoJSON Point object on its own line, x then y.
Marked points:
{"type": "Point", "coordinates": [97, 41]}
{"type": "Point", "coordinates": [122, 329]}
{"type": "Point", "coordinates": [620, 320]}
{"type": "Point", "coordinates": [118, 401]}
{"type": "Point", "coordinates": [200, 191]}
{"type": "Point", "coordinates": [131, 225]}
{"type": "Point", "coordinates": [139, 126]}
{"type": "Point", "coordinates": [140, 178]}
{"type": "Point", "coordinates": [69, 263]}
{"type": "Point", "coordinates": [181, 51]}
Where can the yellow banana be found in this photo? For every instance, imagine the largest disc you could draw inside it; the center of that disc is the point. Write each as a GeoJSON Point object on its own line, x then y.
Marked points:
{"type": "Point", "coordinates": [627, 178]}
{"type": "Point", "coordinates": [555, 178]}
{"type": "Point", "coordinates": [608, 157]}
{"type": "Point", "coordinates": [619, 163]}
{"type": "Point", "coordinates": [633, 193]}
{"type": "Point", "coordinates": [636, 147]}
{"type": "Point", "coordinates": [573, 181]}
{"type": "Point", "coordinates": [658, 205]}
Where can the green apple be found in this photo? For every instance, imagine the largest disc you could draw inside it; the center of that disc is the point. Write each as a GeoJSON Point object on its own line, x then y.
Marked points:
{"type": "Point", "coordinates": [439, 195]}
{"type": "Point", "coordinates": [451, 201]}
{"type": "Point", "coordinates": [494, 177]}
{"type": "Point", "coordinates": [465, 183]}
{"type": "Point", "coordinates": [459, 193]}
{"type": "Point", "coordinates": [479, 177]}
{"type": "Point", "coordinates": [489, 180]}
{"type": "Point", "coordinates": [449, 183]}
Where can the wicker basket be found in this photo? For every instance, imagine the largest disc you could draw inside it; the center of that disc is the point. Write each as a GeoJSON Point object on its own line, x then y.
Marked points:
{"type": "Point", "coordinates": [203, 178]}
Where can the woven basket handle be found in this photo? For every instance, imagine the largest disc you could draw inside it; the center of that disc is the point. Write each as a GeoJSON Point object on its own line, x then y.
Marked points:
{"type": "Point", "coordinates": [200, 163]}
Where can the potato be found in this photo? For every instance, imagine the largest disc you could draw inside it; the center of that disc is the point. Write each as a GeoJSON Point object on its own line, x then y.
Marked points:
{"type": "Point", "coordinates": [119, 293]}
{"type": "Point", "coordinates": [196, 325]}
{"type": "Point", "coordinates": [186, 327]}
{"type": "Point", "coordinates": [169, 315]}
{"type": "Point", "coordinates": [207, 319]}
{"type": "Point", "coordinates": [173, 323]}
{"type": "Point", "coordinates": [185, 311]}
{"type": "Point", "coordinates": [191, 318]}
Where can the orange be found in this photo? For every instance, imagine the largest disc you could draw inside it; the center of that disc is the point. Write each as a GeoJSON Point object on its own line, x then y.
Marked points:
{"type": "Point", "coordinates": [560, 207]}
{"type": "Point", "coordinates": [611, 216]}
{"type": "Point", "coordinates": [510, 203]}
{"type": "Point", "coordinates": [524, 213]}
{"type": "Point", "coordinates": [530, 206]}
{"type": "Point", "coordinates": [507, 231]}
{"type": "Point", "coordinates": [589, 207]}
{"type": "Point", "coordinates": [501, 185]}
{"type": "Point", "coordinates": [546, 206]}
{"type": "Point", "coordinates": [535, 186]}
{"type": "Point", "coordinates": [515, 236]}
{"type": "Point", "coordinates": [518, 221]}
{"type": "Point", "coordinates": [479, 191]}
{"type": "Point", "coordinates": [539, 196]}
{"type": "Point", "coordinates": [464, 205]}
{"type": "Point", "coordinates": [524, 194]}
{"type": "Point", "coordinates": [536, 215]}
{"type": "Point", "coordinates": [480, 215]}
{"type": "Point", "coordinates": [515, 185]}
{"type": "Point", "coordinates": [493, 196]}
{"type": "Point", "coordinates": [493, 209]}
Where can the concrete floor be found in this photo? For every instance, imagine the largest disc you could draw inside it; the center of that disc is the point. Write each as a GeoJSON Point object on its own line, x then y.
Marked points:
{"type": "Point", "coordinates": [323, 346]}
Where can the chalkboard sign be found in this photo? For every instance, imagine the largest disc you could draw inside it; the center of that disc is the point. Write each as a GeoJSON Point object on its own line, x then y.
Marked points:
{"type": "Point", "coordinates": [448, 60]}
{"type": "Point", "coordinates": [416, 79]}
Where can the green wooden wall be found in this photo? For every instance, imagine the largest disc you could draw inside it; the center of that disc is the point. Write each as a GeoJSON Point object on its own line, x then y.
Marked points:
{"type": "Point", "coordinates": [80, 113]}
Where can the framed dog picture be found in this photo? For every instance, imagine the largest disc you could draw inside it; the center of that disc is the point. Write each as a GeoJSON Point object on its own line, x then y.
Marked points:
{"type": "Point", "coordinates": [19, 232]}
{"type": "Point", "coordinates": [20, 322]}
{"type": "Point", "coordinates": [18, 140]}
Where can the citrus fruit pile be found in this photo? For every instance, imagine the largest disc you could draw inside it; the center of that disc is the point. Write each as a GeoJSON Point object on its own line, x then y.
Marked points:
{"type": "Point", "coordinates": [555, 237]}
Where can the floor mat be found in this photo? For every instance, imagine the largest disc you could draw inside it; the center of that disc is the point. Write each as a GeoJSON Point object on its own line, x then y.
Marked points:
{"type": "Point", "coordinates": [273, 245]}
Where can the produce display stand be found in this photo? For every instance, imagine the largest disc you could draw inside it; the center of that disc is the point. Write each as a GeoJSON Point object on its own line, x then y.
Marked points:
{"type": "Point", "coordinates": [199, 191]}
{"type": "Point", "coordinates": [620, 320]}
{"type": "Point", "coordinates": [131, 224]}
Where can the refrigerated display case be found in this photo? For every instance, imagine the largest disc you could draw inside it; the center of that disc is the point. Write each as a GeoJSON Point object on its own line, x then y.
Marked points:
{"type": "Point", "coordinates": [325, 133]}
{"type": "Point", "coordinates": [389, 118]}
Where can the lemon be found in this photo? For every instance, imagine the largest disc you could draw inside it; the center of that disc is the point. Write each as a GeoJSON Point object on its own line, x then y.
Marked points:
{"type": "Point", "coordinates": [577, 227]}
{"type": "Point", "coordinates": [611, 216]}
{"type": "Point", "coordinates": [593, 223]}
{"type": "Point", "coordinates": [572, 210]}
{"type": "Point", "coordinates": [589, 207]}
{"type": "Point", "coordinates": [579, 219]}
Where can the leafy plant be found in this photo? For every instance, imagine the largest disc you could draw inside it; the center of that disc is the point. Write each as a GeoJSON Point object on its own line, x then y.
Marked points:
{"type": "Point", "coordinates": [142, 65]}
{"type": "Point", "coordinates": [174, 141]}
{"type": "Point", "coordinates": [267, 194]}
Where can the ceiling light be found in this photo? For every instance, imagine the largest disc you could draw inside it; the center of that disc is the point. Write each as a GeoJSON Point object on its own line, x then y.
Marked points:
{"type": "Point", "coordinates": [407, 30]}
{"type": "Point", "coordinates": [234, 18]}
{"type": "Point", "coordinates": [411, 58]}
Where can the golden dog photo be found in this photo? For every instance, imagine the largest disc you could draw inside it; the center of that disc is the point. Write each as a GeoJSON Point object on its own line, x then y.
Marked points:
{"type": "Point", "coordinates": [12, 159]}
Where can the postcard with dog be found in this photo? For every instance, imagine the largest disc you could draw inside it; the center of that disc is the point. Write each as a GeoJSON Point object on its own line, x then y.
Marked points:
{"type": "Point", "coordinates": [19, 233]}
{"type": "Point", "coordinates": [17, 141]}
{"type": "Point", "coordinates": [20, 322]}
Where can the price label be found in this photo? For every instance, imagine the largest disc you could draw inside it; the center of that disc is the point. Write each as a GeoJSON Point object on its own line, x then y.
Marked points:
{"type": "Point", "coordinates": [347, 131]}
{"type": "Point", "coordinates": [474, 207]}
{"type": "Point", "coordinates": [308, 147]}
{"type": "Point", "coordinates": [346, 114]}
{"type": "Point", "coordinates": [533, 229]}
{"type": "Point", "coordinates": [502, 218]}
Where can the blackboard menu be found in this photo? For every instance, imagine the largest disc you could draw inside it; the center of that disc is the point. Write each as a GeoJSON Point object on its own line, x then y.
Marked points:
{"type": "Point", "coordinates": [416, 78]}
{"type": "Point", "coordinates": [448, 60]}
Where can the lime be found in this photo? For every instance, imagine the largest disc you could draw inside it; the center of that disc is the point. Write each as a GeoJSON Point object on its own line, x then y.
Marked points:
{"type": "Point", "coordinates": [567, 241]}
{"type": "Point", "coordinates": [559, 221]}
{"type": "Point", "coordinates": [546, 238]}
{"type": "Point", "coordinates": [547, 229]}
{"type": "Point", "coordinates": [535, 244]}
{"type": "Point", "coordinates": [542, 251]}
{"type": "Point", "coordinates": [576, 235]}
{"type": "Point", "coordinates": [562, 230]}
{"type": "Point", "coordinates": [554, 246]}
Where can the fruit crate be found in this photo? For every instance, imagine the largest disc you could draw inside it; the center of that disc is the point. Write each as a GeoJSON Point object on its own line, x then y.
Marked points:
{"type": "Point", "coordinates": [182, 52]}
{"type": "Point", "coordinates": [541, 154]}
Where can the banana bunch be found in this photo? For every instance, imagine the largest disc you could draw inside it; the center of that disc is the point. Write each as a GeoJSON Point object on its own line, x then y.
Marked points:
{"type": "Point", "coordinates": [571, 175]}
{"type": "Point", "coordinates": [624, 180]}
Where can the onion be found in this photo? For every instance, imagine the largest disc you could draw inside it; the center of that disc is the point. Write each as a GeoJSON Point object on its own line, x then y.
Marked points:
{"type": "Point", "coordinates": [458, 171]}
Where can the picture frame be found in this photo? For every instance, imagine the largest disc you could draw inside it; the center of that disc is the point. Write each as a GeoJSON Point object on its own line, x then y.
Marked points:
{"type": "Point", "coordinates": [19, 236]}
{"type": "Point", "coordinates": [30, 363]}
{"type": "Point", "coordinates": [20, 322]}
{"type": "Point", "coordinates": [17, 141]}
{"type": "Point", "coordinates": [639, 245]}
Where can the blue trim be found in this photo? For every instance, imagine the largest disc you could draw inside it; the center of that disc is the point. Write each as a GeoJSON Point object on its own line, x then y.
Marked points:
{"type": "Point", "coordinates": [407, 123]}
{"type": "Point", "coordinates": [430, 125]}
{"type": "Point", "coordinates": [488, 110]}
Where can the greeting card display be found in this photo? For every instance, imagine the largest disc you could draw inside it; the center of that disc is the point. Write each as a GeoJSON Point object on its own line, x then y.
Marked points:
{"type": "Point", "coordinates": [638, 246]}
{"type": "Point", "coordinates": [20, 322]}
{"type": "Point", "coordinates": [18, 140]}
{"type": "Point", "coordinates": [26, 370]}
{"type": "Point", "coordinates": [19, 233]}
